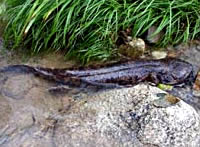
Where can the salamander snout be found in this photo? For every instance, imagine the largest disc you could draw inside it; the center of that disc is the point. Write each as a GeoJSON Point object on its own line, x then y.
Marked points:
{"type": "Point", "coordinates": [181, 71]}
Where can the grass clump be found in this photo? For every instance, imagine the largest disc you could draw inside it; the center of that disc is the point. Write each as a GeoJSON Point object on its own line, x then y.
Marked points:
{"type": "Point", "coordinates": [88, 29]}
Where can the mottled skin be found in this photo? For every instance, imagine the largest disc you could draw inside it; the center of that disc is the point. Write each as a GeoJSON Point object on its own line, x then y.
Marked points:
{"type": "Point", "coordinates": [166, 71]}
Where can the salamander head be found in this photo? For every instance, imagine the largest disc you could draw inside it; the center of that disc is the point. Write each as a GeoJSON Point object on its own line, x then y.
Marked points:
{"type": "Point", "coordinates": [181, 72]}
{"type": "Point", "coordinates": [177, 72]}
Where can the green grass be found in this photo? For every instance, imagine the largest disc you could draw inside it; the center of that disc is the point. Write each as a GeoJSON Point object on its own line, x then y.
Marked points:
{"type": "Point", "coordinates": [88, 29]}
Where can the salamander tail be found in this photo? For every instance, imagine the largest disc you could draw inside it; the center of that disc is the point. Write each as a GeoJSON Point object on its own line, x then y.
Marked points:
{"type": "Point", "coordinates": [17, 69]}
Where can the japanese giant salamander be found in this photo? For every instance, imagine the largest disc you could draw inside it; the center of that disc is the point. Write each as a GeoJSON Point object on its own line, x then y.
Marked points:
{"type": "Point", "coordinates": [165, 71]}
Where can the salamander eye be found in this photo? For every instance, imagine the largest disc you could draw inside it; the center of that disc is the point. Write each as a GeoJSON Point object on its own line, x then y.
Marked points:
{"type": "Point", "coordinates": [180, 70]}
{"type": "Point", "coordinates": [178, 74]}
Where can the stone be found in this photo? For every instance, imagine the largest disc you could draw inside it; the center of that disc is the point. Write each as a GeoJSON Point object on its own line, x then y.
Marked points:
{"type": "Point", "coordinates": [134, 48]}
{"type": "Point", "coordinates": [138, 44]}
{"type": "Point", "coordinates": [139, 116]}
{"type": "Point", "coordinates": [159, 54]}
{"type": "Point", "coordinates": [14, 87]}
{"type": "Point", "coordinates": [5, 111]}
{"type": "Point", "coordinates": [190, 53]}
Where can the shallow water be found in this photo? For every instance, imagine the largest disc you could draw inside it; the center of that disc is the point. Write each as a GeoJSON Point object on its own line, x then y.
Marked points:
{"type": "Point", "coordinates": [32, 116]}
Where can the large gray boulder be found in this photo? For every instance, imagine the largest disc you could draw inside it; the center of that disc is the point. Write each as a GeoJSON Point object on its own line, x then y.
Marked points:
{"type": "Point", "coordinates": [139, 116]}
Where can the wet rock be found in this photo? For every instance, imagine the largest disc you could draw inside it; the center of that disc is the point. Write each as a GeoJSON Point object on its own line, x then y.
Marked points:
{"type": "Point", "coordinates": [138, 116]}
{"type": "Point", "coordinates": [138, 44]}
{"type": "Point", "coordinates": [16, 88]}
{"type": "Point", "coordinates": [25, 102]}
{"type": "Point", "coordinates": [5, 111]}
{"type": "Point", "coordinates": [165, 100]}
{"type": "Point", "coordinates": [25, 119]}
{"type": "Point", "coordinates": [159, 54]}
{"type": "Point", "coordinates": [128, 46]}
{"type": "Point", "coordinates": [190, 53]}
{"type": "Point", "coordinates": [134, 48]}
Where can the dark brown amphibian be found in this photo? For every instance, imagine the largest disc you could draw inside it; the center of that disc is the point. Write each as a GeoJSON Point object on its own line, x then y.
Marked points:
{"type": "Point", "coordinates": [166, 71]}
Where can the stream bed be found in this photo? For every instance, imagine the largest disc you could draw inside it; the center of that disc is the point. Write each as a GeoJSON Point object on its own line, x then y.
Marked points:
{"type": "Point", "coordinates": [31, 116]}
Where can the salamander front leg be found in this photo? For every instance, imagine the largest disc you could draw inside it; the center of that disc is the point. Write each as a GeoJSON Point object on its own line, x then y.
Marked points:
{"type": "Point", "coordinates": [154, 78]}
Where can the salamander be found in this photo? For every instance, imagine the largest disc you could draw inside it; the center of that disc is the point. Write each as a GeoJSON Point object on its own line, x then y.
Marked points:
{"type": "Point", "coordinates": [166, 71]}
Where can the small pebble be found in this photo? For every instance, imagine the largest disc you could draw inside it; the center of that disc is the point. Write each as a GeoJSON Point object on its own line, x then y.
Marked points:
{"type": "Point", "coordinates": [159, 54]}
